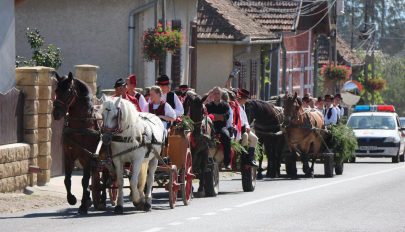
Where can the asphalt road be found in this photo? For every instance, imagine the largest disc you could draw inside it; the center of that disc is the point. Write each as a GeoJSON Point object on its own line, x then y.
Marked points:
{"type": "Point", "coordinates": [369, 196]}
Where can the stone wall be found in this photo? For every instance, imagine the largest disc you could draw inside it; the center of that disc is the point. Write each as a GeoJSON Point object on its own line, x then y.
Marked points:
{"type": "Point", "coordinates": [36, 85]}
{"type": "Point", "coordinates": [88, 74]}
{"type": "Point", "coordinates": [14, 167]}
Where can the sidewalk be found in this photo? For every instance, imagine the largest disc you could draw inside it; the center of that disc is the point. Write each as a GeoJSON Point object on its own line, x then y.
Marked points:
{"type": "Point", "coordinates": [50, 195]}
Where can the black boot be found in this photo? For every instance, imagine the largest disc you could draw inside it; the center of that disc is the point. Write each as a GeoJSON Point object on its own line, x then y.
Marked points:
{"type": "Point", "coordinates": [251, 155]}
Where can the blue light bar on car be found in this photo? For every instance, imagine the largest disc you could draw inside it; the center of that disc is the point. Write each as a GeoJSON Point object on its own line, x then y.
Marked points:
{"type": "Point", "coordinates": [362, 108]}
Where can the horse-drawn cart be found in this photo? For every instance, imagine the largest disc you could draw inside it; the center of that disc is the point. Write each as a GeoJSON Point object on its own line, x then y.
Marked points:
{"type": "Point", "coordinates": [175, 172]}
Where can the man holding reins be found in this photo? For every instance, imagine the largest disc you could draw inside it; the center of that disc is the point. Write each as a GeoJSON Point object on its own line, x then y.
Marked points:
{"type": "Point", "coordinates": [242, 96]}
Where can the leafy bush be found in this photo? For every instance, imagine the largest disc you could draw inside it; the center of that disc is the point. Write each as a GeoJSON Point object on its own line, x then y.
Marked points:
{"type": "Point", "coordinates": [343, 142]}
{"type": "Point", "coordinates": [48, 57]}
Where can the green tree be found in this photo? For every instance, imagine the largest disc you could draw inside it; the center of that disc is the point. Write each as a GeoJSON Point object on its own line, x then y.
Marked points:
{"type": "Point", "coordinates": [49, 56]}
{"type": "Point", "coordinates": [387, 25]}
{"type": "Point", "coordinates": [394, 73]}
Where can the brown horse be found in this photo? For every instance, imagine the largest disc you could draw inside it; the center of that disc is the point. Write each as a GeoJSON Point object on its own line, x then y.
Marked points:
{"type": "Point", "coordinates": [300, 130]}
{"type": "Point", "coordinates": [80, 133]}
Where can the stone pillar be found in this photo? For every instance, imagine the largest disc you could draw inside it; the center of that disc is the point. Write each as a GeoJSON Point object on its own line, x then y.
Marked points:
{"type": "Point", "coordinates": [88, 74]}
{"type": "Point", "coordinates": [35, 83]}
{"type": "Point", "coordinates": [27, 79]}
{"type": "Point", "coordinates": [44, 125]}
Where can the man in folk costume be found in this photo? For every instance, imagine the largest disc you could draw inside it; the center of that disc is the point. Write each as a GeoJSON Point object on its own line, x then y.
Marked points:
{"type": "Point", "coordinates": [220, 110]}
{"type": "Point", "coordinates": [160, 108]}
{"type": "Point", "coordinates": [121, 90]}
{"type": "Point", "coordinates": [329, 112]}
{"type": "Point", "coordinates": [243, 96]}
{"type": "Point", "coordinates": [182, 92]}
{"type": "Point", "coordinates": [131, 85]}
{"type": "Point", "coordinates": [169, 96]}
{"type": "Point", "coordinates": [336, 102]}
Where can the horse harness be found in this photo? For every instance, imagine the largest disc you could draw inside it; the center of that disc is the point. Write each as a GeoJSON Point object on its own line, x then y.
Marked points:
{"type": "Point", "coordinates": [141, 140]}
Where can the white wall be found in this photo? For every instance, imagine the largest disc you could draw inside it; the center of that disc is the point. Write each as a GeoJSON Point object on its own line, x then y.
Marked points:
{"type": "Point", "coordinates": [96, 32]}
{"type": "Point", "coordinates": [7, 45]}
{"type": "Point", "coordinates": [214, 63]}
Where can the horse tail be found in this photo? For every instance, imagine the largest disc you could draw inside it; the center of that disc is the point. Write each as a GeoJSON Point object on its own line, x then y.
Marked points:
{"type": "Point", "coordinates": [143, 173]}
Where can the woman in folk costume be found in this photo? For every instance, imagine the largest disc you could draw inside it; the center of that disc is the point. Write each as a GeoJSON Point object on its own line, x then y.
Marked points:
{"type": "Point", "coordinates": [329, 112]}
{"type": "Point", "coordinates": [160, 108]}
{"type": "Point", "coordinates": [131, 85]}
{"type": "Point", "coordinates": [120, 87]}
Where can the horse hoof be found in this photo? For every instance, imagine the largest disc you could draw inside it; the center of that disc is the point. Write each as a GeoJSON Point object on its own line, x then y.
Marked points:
{"type": "Point", "coordinates": [71, 200]}
{"type": "Point", "coordinates": [89, 203]}
{"type": "Point", "coordinates": [259, 176]}
{"type": "Point", "coordinates": [147, 207]}
{"type": "Point", "coordinates": [119, 209]}
{"type": "Point", "coordinates": [140, 206]}
{"type": "Point", "coordinates": [309, 175]}
{"type": "Point", "coordinates": [82, 210]}
{"type": "Point", "coordinates": [200, 194]}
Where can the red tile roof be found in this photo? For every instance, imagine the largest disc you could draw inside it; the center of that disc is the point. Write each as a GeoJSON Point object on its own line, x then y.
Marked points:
{"type": "Point", "coordinates": [221, 20]}
{"type": "Point", "coordinates": [275, 15]}
{"type": "Point", "coordinates": [345, 54]}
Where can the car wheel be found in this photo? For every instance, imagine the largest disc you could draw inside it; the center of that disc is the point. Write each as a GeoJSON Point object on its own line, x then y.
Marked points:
{"type": "Point", "coordinates": [396, 158]}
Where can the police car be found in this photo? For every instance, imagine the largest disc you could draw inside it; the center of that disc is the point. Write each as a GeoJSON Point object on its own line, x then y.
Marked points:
{"type": "Point", "coordinates": [378, 132]}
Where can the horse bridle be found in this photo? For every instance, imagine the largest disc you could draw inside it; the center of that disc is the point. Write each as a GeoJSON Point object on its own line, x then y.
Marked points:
{"type": "Point", "coordinates": [67, 100]}
{"type": "Point", "coordinates": [118, 129]}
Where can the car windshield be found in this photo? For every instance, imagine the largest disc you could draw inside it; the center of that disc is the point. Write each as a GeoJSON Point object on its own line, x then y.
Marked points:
{"type": "Point", "coordinates": [371, 122]}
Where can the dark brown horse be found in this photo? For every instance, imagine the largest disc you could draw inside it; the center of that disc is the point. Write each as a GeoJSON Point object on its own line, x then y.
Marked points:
{"type": "Point", "coordinates": [200, 139]}
{"type": "Point", "coordinates": [80, 133]}
{"type": "Point", "coordinates": [267, 120]}
{"type": "Point", "coordinates": [300, 130]}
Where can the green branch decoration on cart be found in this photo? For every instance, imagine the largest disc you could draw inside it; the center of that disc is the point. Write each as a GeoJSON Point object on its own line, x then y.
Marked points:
{"type": "Point", "coordinates": [157, 41]}
{"type": "Point", "coordinates": [375, 84]}
{"type": "Point", "coordinates": [336, 72]}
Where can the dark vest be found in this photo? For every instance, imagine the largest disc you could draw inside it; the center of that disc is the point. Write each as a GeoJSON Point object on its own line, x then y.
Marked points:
{"type": "Point", "coordinates": [170, 99]}
{"type": "Point", "coordinates": [159, 111]}
{"type": "Point", "coordinates": [327, 113]}
{"type": "Point", "coordinates": [137, 96]}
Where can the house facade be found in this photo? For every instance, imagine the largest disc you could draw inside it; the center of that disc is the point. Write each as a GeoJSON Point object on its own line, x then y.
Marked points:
{"type": "Point", "coordinates": [228, 38]}
{"type": "Point", "coordinates": [285, 66]}
{"type": "Point", "coordinates": [106, 33]}
{"type": "Point", "coordinates": [7, 45]}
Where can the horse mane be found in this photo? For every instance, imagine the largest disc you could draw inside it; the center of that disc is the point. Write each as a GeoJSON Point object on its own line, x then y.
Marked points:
{"type": "Point", "coordinates": [129, 114]}
{"type": "Point", "coordinates": [265, 112]}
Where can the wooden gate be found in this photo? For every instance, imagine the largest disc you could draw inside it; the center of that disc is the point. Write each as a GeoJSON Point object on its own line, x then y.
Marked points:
{"type": "Point", "coordinates": [11, 117]}
{"type": "Point", "coordinates": [57, 168]}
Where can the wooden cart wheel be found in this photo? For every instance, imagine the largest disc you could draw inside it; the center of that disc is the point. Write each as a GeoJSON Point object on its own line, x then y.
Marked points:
{"type": "Point", "coordinates": [173, 186]}
{"type": "Point", "coordinates": [248, 177]}
{"type": "Point", "coordinates": [186, 178]}
{"type": "Point", "coordinates": [97, 189]}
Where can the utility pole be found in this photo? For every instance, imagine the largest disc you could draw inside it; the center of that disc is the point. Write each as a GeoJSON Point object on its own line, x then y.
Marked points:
{"type": "Point", "coordinates": [365, 31]}
{"type": "Point", "coordinates": [352, 27]}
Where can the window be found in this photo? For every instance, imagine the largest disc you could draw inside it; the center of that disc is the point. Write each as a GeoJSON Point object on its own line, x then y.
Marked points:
{"type": "Point", "coordinates": [372, 122]}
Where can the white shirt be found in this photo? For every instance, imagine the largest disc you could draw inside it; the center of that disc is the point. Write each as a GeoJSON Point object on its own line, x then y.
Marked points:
{"type": "Point", "coordinates": [333, 118]}
{"type": "Point", "coordinates": [244, 118]}
{"type": "Point", "coordinates": [142, 101]}
{"type": "Point", "coordinates": [169, 112]}
{"type": "Point", "coordinates": [229, 122]}
{"type": "Point", "coordinates": [179, 106]}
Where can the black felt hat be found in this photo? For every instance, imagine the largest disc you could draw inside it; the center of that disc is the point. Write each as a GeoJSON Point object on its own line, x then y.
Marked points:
{"type": "Point", "coordinates": [120, 82]}
{"type": "Point", "coordinates": [163, 80]}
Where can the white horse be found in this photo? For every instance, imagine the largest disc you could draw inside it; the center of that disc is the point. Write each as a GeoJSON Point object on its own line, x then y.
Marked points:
{"type": "Point", "coordinates": [136, 138]}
